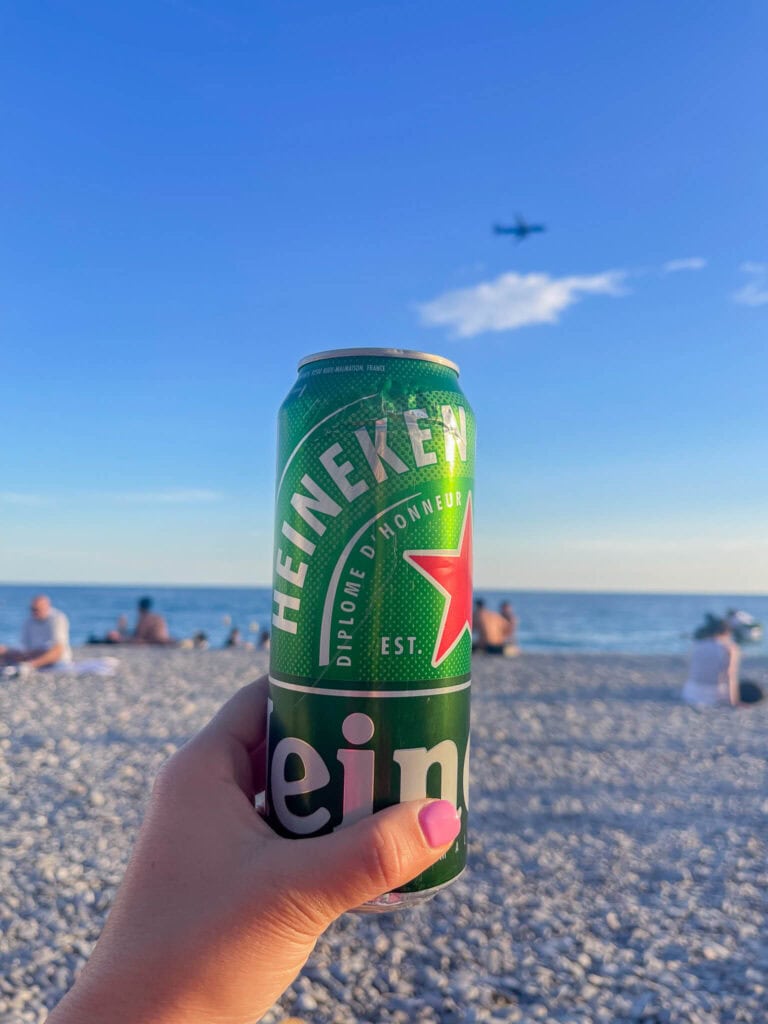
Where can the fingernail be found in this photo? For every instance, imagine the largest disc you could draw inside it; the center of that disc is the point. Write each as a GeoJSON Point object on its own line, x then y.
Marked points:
{"type": "Point", "coordinates": [439, 822]}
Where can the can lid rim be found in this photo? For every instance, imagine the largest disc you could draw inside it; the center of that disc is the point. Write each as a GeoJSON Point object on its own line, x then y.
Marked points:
{"type": "Point", "coordinates": [387, 353]}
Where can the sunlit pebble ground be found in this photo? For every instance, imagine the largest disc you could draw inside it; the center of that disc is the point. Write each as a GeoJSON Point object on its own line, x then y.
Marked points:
{"type": "Point", "coordinates": [618, 855]}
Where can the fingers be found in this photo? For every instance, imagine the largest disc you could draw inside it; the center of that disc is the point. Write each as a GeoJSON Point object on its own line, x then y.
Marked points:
{"type": "Point", "coordinates": [342, 870]}
{"type": "Point", "coordinates": [232, 745]}
{"type": "Point", "coordinates": [244, 716]}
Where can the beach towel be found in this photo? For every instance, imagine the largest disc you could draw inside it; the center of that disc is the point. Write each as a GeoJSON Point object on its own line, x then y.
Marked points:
{"type": "Point", "coordinates": [85, 667]}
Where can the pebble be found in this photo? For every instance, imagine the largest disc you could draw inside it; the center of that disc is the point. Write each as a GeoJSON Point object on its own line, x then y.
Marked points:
{"type": "Point", "coordinates": [617, 853]}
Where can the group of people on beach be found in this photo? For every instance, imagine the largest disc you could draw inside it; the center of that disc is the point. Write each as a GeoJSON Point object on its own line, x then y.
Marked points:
{"type": "Point", "coordinates": [45, 642]}
{"type": "Point", "coordinates": [713, 672]}
{"type": "Point", "coordinates": [152, 628]}
{"type": "Point", "coordinates": [45, 635]}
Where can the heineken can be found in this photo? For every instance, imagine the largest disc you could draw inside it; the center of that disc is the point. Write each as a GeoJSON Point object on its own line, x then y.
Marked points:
{"type": "Point", "coordinates": [372, 597]}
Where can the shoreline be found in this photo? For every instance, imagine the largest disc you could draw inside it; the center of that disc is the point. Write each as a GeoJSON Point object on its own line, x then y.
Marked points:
{"type": "Point", "coordinates": [549, 621]}
{"type": "Point", "coordinates": [618, 843]}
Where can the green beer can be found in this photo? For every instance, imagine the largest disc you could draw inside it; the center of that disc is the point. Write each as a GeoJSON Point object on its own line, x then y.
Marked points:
{"type": "Point", "coordinates": [372, 597]}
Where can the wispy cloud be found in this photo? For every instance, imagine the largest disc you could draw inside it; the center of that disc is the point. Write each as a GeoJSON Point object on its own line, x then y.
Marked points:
{"type": "Point", "coordinates": [515, 300]}
{"type": "Point", "coordinates": [755, 291]}
{"type": "Point", "coordinates": [19, 498]}
{"type": "Point", "coordinates": [690, 263]}
{"type": "Point", "coordinates": [181, 496]}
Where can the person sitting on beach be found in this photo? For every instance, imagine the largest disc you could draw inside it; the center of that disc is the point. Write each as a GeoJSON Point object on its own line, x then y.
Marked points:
{"type": "Point", "coordinates": [217, 914]}
{"type": "Point", "coordinates": [151, 628]}
{"type": "Point", "coordinates": [713, 671]}
{"type": "Point", "coordinates": [44, 638]}
{"type": "Point", "coordinates": [713, 675]}
{"type": "Point", "coordinates": [234, 639]}
{"type": "Point", "coordinates": [491, 628]}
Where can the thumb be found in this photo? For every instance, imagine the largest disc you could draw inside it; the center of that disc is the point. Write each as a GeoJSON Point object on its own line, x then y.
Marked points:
{"type": "Point", "coordinates": [375, 855]}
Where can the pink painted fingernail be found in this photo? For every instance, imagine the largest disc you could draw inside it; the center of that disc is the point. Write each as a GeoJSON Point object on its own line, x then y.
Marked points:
{"type": "Point", "coordinates": [439, 822]}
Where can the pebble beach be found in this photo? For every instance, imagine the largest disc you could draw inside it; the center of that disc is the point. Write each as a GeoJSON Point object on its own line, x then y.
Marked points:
{"type": "Point", "coordinates": [618, 867]}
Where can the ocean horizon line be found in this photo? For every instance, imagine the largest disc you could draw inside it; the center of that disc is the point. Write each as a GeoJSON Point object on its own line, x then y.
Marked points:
{"type": "Point", "coordinates": [478, 587]}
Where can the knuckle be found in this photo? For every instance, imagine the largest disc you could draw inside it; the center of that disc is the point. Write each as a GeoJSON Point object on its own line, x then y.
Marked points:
{"type": "Point", "coordinates": [169, 777]}
{"type": "Point", "coordinates": [384, 859]}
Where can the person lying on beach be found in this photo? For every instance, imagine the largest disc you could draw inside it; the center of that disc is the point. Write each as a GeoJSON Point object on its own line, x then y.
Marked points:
{"type": "Point", "coordinates": [197, 642]}
{"type": "Point", "coordinates": [150, 628]}
{"type": "Point", "coordinates": [713, 670]}
{"type": "Point", "coordinates": [44, 638]}
{"type": "Point", "coordinates": [217, 914]}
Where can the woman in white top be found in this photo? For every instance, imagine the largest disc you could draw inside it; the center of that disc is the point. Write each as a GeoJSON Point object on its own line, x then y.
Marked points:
{"type": "Point", "coordinates": [713, 672]}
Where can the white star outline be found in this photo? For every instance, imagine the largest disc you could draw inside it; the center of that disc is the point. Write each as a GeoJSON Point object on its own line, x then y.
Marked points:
{"type": "Point", "coordinates": [448, 553]}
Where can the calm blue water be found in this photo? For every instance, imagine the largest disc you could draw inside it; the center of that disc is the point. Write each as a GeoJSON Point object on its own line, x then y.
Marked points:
{"type": "Point", "coordinates": [627, 623]}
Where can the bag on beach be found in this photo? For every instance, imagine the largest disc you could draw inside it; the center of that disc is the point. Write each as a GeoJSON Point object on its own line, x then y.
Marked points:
{"type": "Point", "coordinates": [749, 692]}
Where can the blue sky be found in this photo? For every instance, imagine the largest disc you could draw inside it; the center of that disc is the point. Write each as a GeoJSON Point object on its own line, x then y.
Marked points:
{"type": "Point", "coordinates": [196, 194]}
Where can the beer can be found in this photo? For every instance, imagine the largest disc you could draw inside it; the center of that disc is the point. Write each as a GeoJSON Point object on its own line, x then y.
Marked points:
{"type": "Point", "coordinates": [372, 597]}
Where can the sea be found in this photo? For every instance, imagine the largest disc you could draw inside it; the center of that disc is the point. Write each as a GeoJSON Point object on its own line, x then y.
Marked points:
{"type": "Point", "coordinates": [548, 620]}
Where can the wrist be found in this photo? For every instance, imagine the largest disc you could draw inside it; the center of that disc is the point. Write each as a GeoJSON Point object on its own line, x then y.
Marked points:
{"type": "Point", "coordinates": [92, 999]}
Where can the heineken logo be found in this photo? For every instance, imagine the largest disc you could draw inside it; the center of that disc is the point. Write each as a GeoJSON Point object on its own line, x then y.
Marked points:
{"type": "Point", "coordinates": [333, 782]}
{"type": "Point", "coordinates": [450, 571]}
{"type": "Point", "coordinates": [346, 472]}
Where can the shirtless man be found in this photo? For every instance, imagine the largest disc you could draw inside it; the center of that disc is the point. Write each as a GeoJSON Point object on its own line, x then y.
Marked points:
{"type": "Point", "coordinates": [492, 629]}
{"type": "Point", "coordinates": [151, 628]}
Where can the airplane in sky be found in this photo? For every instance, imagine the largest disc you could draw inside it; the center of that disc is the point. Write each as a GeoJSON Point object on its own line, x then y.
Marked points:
{"type": "Point", "coordinates": [520, 229]}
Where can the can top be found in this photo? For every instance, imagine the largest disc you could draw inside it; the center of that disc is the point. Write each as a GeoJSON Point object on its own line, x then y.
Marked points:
{"type": "Point", "coordinates": [392, 353]}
